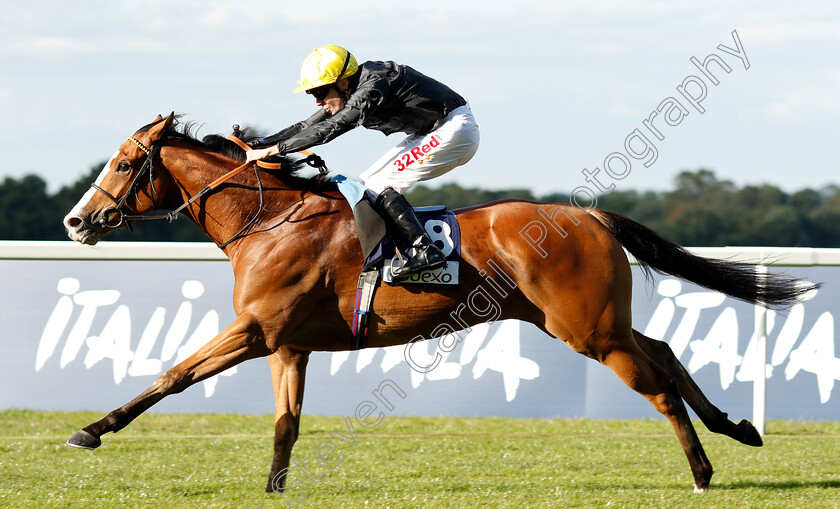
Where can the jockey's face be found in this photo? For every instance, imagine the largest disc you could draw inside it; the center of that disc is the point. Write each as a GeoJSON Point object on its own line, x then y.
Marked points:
{"type": "Point", "coordinates": [333, 102]}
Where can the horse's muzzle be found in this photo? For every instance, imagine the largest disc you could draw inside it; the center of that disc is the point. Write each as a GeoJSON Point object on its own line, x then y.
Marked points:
{"type": "Point", "coordinates": [80, 230]}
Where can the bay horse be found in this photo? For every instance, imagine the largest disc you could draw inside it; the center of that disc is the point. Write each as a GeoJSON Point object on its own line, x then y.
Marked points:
{"type": "Point", "coordinates": [296, 260]}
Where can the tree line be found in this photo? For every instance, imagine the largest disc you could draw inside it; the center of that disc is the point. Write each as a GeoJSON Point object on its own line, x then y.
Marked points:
{"type": "Point", "coordinates": [700, 210]}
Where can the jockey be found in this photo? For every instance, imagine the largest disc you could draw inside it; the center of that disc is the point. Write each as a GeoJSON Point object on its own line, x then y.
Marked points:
{"type": "Point", "coordinates": [388, 97]}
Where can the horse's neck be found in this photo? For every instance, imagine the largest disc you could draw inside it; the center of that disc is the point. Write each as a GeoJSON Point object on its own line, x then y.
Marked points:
{"type": "Point", "coordinates": [223, 212]}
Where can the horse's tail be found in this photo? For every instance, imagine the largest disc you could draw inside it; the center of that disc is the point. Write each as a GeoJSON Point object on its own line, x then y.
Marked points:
{"type": "Point", "coordinates": [739, 280]}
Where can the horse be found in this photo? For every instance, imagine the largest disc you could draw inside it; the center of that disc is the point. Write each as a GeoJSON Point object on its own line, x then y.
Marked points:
{"type": "Point", "coordinates": [292, 242]}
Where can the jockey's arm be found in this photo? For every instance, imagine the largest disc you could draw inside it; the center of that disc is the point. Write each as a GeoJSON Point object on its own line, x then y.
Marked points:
{"type": "Point", "coordinates": [268, 146]}
{"type": "Point", "coordinates": [292, 130]}
{"type": "Point", "coordinates": [321, 128]}
{"type": "Point", "coordinates": [321, 132]}
{"type": "Point", "coordinates": [360, 105]}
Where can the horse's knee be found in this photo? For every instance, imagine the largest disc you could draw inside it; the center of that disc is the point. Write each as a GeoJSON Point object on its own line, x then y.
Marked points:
{"type": "Point", "coordinates": [666, 397]}
{"type": "Point", "coordinates": [171, 382]}
{"type": "Point", "coordinates": [635, 368]}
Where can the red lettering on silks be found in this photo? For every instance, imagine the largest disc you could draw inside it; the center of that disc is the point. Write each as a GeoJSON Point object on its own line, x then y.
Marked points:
{"type": "Point", "coordinates": [415, 154]}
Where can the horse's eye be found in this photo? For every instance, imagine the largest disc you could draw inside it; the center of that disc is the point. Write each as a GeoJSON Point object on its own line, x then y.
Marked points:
{"type": "Point", "coordinates": [123, 167]}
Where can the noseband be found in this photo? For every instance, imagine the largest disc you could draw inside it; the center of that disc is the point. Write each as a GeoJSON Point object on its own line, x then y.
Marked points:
{"type": "Point", "coordinates": [151, 153]}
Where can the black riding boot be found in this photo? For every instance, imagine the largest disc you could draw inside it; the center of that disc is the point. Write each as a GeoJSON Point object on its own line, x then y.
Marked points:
{"type": "Point", "coordinates": [424, 254]}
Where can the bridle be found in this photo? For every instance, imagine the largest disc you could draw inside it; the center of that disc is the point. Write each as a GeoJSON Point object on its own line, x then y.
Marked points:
{"type": "Point", "coordinates": [148, 163]}
{"type": "Point", "coordinates": [148, 166]}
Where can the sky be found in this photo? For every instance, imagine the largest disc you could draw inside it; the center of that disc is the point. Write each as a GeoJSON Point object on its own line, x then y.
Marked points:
{"type": "Point", "coordinates": [556, 87]}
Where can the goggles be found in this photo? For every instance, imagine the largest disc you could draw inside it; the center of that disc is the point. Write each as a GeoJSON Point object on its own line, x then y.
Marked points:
{"type": "Point", "coordinates": [320, 93]}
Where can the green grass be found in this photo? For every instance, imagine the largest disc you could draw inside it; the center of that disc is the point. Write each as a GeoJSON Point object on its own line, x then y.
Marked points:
{"type": "Point", "coordinates": [176, 461]}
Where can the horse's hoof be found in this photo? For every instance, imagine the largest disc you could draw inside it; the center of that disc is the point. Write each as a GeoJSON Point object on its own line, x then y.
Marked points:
{"type": "Point", "coordinates": [701, 490]}
{"type": "Point", "coordinates": [749, 435]}
{"type": "Point", "coordinates": [84, 440]}
{"type": "Point", "coordinates": [277, 482]}
{"type": "Point", "coordinates": [271, 487]}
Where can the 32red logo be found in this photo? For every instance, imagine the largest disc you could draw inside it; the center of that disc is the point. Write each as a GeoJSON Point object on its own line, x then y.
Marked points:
{"type": "Point", "coordinates": [416, 154]}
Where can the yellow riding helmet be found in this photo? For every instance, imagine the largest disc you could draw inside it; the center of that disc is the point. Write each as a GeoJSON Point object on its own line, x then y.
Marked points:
{"type": "Point", "coordinates": [326, 65]}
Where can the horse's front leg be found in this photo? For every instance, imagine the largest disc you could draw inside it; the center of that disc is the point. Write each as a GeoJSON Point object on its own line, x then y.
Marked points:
{"type": "Point", "coordinates": [240, 341]}
{"type": "Point", "coordinates": [288, 371]}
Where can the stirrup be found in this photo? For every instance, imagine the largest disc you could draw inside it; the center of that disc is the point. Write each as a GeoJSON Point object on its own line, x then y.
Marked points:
{"type": "Point", "coordinates": [421, 262]}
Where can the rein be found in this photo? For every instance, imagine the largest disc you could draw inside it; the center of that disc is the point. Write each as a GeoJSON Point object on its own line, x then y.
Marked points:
{"type": "Point", "coordinates": [148, 165]}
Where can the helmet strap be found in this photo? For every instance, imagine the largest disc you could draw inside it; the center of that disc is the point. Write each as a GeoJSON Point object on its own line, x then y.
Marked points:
{"type": "Point", "coordinates": [343, 68]}
{"type": "Point", "coordinates": [341, 75]}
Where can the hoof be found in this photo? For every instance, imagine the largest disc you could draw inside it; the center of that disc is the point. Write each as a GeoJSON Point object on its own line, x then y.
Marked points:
{"type": "Point", "coordinates": [749, 435]}
{"type": "Point", "coordinates": [84, 440]}
{"type": "Point", "coordinates": [703, 479]}
{"type": "Point", "coordinates": [273, 488]}
{"type": "Point", "coordinates": [277, 482]}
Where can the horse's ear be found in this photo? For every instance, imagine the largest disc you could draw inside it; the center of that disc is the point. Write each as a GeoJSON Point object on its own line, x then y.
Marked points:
{"type": "Point", "coordinates": [158, 119]}
{"type": "Point", "coordinates": [169, 121]}
{"type": "Point", "coordinates": [162, 126]}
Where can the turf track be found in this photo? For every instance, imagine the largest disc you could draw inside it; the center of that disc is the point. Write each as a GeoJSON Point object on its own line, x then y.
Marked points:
{"type": "Point", "coordinates": [222, 460]}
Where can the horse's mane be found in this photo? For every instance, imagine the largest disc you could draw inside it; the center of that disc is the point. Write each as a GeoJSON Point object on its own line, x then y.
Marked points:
{"type": "Point", "coordinates": [289, 172]}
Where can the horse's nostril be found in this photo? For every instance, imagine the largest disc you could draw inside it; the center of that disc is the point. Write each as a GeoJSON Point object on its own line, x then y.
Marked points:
{"type": "Point", "coordinates": [72, 222]}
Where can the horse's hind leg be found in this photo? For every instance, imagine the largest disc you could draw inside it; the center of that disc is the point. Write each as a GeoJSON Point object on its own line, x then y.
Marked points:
{"type": "Point", "coordinates": [288, 371]}
{"type": "Point", "coordinates": [715, 420]}
{"type": "Point", "coordinates": [239, 342]}
{"type": "Point", "coordinates": [636, 370]}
